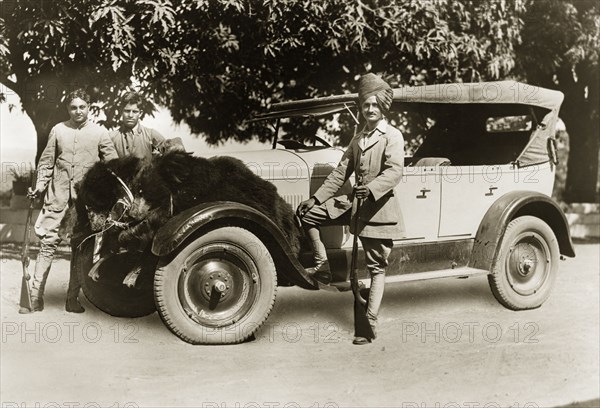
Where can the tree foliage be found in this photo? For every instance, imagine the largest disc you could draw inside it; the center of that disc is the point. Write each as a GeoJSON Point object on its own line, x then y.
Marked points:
{"type": "Point", "coordinates": [246, 55]}
{"type": "Point", "coordinates": [49, 48]}
{"type": "Point", "coordinates": [216, 63]}
{"type": "Point", "coordinates": [561, 44]}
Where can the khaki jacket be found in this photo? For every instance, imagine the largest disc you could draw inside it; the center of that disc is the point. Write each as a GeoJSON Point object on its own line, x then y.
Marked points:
{"type": "Point", "coordinates": [140, 142]}
{"type": "Point", "coordinates": [70, 152]}
{"type": "Point", "coordinates": [378, 166]}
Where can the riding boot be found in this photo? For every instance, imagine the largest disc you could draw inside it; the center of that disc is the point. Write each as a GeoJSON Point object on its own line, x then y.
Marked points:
{"type": "Point", "coordinates": [319, 252]}
{"type": "Point", "coordinates": [374, 301]}
{"type": "Point", "coordinates": [321, 270]}
{"type": "Point", "coordinates": [72, 305]}
{"type": "Point", "coordinates": [38, 285]}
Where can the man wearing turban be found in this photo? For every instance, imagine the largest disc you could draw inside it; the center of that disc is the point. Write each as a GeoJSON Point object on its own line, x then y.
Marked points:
{"type": "Point", "coordinates": [376, 157]}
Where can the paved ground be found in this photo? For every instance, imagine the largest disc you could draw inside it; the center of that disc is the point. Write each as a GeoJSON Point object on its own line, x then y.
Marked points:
{"type": "Point", "coordinates": [442, 344]}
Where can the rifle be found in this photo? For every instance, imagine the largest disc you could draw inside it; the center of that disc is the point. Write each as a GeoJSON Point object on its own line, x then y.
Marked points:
{"type": "Point", "coordinates": [362, 327]}
{"type": "Point", "coordinates": [25, 301]}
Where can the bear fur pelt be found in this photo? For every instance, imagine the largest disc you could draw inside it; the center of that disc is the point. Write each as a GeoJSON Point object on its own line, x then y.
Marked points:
{"type": "Point", "coordinates": [167, 185]}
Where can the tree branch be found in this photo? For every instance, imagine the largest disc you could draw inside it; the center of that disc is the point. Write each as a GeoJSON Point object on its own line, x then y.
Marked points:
{"type": "Point", "coordinates": [9, 83]}
{"type": "Point", "coordinates": [377, 15]}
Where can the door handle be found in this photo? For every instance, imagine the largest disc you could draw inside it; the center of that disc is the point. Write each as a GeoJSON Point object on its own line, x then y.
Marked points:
{"type": "Point", "coordinates": [491, 192]}
{"type": "Point", "coordinates": [424, 192]}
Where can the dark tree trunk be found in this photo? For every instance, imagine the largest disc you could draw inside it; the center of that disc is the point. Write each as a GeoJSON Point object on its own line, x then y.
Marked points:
{"type": "Point", "coordinates": [580, 114]}
{"type": "Point", "coordinates": [43, 121]}
{"type": "Point", "coordinates": [44, 113]}
{"type": "Point", "coordinates": [582, 173]}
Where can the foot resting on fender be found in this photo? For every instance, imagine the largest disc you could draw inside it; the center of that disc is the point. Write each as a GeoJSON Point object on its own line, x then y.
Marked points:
{"type": "Point", "coordinates": [320, 272]}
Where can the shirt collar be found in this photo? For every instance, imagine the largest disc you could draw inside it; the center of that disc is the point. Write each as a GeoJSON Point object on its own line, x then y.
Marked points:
{"type": "Point", "coordinates": [380, 128]}
{"type": "Point", "coordinates": [134, 130]}
{"type": "Point", "coordinates": [76, 126]}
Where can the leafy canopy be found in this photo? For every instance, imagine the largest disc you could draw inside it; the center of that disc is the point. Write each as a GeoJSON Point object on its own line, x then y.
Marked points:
{"type": "Point", "coordinates": [215, 63]}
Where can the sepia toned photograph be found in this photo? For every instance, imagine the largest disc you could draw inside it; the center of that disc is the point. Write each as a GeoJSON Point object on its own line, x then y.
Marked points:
{"type": "Point", "coordinates": [300, 203]}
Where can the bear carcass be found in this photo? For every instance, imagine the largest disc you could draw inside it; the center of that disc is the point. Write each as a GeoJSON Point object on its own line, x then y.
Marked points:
{"type": "Point", "coordinates": [163, 187]}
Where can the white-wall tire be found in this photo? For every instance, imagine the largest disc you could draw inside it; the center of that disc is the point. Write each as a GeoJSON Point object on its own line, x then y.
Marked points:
{"type": "Point", "coordinates": [219, 288]}
{"type": "Point", "coordinates": [526, 265]}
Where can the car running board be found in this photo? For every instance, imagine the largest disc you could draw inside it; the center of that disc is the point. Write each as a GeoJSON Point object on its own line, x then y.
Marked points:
{"type": "Point", "coordinates": [464, 272]}
{"type": "Point", "coordinates": [343, 286]}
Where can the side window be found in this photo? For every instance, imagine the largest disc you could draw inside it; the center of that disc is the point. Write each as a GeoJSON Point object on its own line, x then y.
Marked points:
{"type": "Point", "coordinates": [507, 124]}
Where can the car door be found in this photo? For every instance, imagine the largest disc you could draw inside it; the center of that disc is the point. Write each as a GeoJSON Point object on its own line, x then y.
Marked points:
{"type": "Point", "coordinates": [419, 193]}
{"type": "Point", "coordinates": [467, 192]}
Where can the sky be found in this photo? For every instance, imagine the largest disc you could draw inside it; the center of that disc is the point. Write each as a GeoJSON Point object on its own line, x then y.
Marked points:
{"type": "Point", "coordinates": [18, 138]}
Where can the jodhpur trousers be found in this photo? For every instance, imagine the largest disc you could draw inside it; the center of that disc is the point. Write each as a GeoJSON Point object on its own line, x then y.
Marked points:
{"type": "Point", "coordinates": [376, 250]}
{"type": "Point", "coordinates": [46, 228]}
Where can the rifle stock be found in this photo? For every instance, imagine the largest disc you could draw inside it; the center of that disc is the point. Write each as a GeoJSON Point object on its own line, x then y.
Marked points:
{"type": "Point", "coordinates": [25, 299]}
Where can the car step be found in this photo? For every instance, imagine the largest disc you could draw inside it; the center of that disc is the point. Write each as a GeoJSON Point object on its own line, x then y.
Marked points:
{"type": "Point", "coordinates": [461, 273]}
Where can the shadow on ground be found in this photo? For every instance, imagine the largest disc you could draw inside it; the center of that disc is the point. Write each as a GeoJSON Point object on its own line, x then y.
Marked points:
{"type": "Point", "coordinates": [583, 404]}
{"type": "Point", "coordinates": [10, 250]}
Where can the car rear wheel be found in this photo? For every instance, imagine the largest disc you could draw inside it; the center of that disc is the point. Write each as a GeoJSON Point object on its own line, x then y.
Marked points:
{"type": "Point", "coordinates": [108, 293]}
{"type": "Point", "coordinates": [526, 265]}
{"type": "Point", "coordinates": [219, 289]}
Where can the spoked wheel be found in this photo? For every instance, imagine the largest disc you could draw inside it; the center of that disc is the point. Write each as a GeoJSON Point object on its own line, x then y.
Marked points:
{"type": "Point", "coordinates": [109, 294]}
{"type": "Point", "coordinates": [219, 289]}
{"type": "Point", "coordinates": [527, 264]}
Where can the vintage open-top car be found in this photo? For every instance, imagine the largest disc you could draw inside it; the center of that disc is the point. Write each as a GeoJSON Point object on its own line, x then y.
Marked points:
{"type": "Point", "coordinates": [475, 199]}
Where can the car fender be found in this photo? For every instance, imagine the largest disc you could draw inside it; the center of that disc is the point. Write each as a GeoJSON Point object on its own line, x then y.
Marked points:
{"type": "Point", "coordinates": [208, 216]}
{"type": "Point", "coordinates": [509, 206]}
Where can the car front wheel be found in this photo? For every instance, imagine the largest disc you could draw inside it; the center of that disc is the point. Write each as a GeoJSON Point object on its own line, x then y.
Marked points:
{"type": "Point", "coordinates": [526, 265]}
{"type": "Point", "coordinates": [219, 289]}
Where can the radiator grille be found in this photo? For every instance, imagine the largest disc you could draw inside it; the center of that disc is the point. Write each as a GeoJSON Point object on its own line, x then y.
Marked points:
{"type": "Point", "coordinates": [293, 199]}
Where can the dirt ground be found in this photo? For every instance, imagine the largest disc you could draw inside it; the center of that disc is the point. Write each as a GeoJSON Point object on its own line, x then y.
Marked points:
{"type": "Point", "coordinates": [444, 343]}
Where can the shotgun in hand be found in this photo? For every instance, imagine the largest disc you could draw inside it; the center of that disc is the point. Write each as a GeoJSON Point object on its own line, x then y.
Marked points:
{"type": "Point", "coordinates": [25, 300]}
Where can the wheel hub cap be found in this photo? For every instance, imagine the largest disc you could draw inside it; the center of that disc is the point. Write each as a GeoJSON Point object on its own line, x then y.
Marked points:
{"type": "Point", "coordinates": [216, 279]}
{"type": "Point", "coordinates": [218, 285]}
{"type": "Point", "coordinates": [526, 266]}
{"type": "Point", "coordinates": [528, 263]}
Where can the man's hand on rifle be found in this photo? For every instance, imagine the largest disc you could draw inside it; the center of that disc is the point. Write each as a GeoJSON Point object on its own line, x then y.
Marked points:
{"type": "Point", "coordinates": [33, 193]}
{"type": "Point", "coordinates": [305, 206]}
{"type": "Point", "coordinates": [361, 192]}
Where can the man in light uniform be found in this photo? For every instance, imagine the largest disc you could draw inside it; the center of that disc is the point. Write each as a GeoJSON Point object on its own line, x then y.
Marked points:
{"type": "Point", "coordinates": [376, 157]}
{"type": "Point", "coordinates": [73, 147]}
